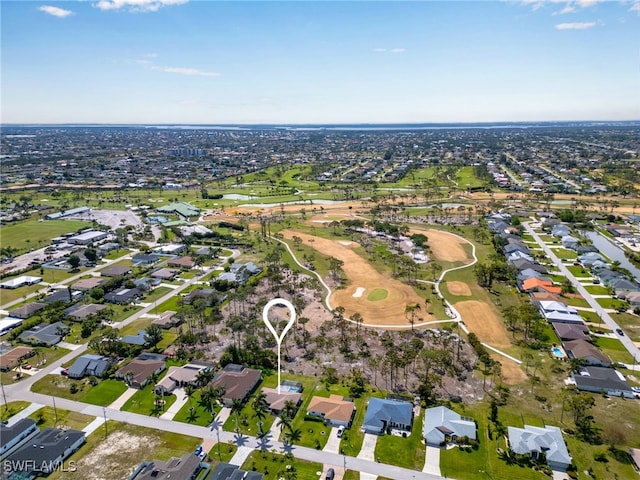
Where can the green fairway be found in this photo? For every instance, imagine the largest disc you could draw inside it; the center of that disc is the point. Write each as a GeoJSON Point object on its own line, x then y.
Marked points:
{"type": "Point", "coordinates": [33, 234]}
{"type": "Point", "coordinates": [377, 294]}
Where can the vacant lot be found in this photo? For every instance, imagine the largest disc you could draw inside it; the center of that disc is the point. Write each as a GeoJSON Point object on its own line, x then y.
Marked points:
{"type": "Point", "coordinates": [361, 275]}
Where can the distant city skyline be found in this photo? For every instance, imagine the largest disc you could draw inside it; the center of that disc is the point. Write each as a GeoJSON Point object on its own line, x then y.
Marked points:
{"type": "Point", "coordinates": [305, 62]}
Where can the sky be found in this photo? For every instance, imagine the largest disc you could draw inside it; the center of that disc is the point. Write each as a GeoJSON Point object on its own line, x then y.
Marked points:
{"type": "Point", "coordinates": [296, 62]}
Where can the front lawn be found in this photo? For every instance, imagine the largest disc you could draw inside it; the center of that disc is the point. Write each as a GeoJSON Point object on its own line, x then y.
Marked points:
{"type": "Point", "coordinates": [406, 452]}
{"type": "Point", "coordinates": [103, 394]}
{"type": "Point", "coordinates": [200, 414]}
{"type": "Point", "coordinates": [144, 402]}
{"type": "Point", "coordinates": [50, 417]}
{"type": "Point", "coordinates": [614, 349]}
{"type": "Point", "coordinates": [8, 410]}
{"type": "Point", "coordinates": [274, 466]}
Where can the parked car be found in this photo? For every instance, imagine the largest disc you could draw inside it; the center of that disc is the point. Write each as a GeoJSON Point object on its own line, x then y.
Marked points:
{"type": "Point", "coordinates": [330, 474]}
{"type": "Point", "coordinates": [27, 366]}
{"type": "Point", "coordinates": [64, 371]}
{"type": "Point", "coordinates": [620, 332]}
{"type": "Point", "coordinates": [340, 431]}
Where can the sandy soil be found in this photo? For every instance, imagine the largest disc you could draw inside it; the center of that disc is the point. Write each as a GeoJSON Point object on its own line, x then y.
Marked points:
{"type": "Point", "coordinates": [481, 320]}
{"type": "Point", "coordinates": [459, 289]}
{"type": "Point", "coordinates": [444, 246]}
{"type": "Point", "coordinates": [108, 460]}
{"type": "Point", "coordinates": [390, 311]}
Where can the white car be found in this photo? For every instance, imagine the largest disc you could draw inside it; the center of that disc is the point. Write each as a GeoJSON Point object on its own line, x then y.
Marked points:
{"type": "Point", "coordinates": [340, 431]}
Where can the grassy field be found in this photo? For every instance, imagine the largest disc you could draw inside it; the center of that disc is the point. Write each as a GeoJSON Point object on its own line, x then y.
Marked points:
{"type": "Point", "coordinates": [33, 234]}
{"type": "Point", "coordinates": [50, 354]}
{"type": "Point", "coordinates": [143, 402]}
{"type": "Point", "coordinates": [614, 349]}
{"type": "Point", "coordinates": [103, 394]}
{"type": "Point", "coordinates": [377, 294]}
{"type": "Point", "coordinates": [274, 466]}
{"type": "Point", "coordinates": [597, 290]}
{"type": "Point", "coordinates": [200, 414]}
{"type": "Point", "coordinates": [629, 323]}
{"type": "Point", "coordinates": [8, 410]}
{"type": "Point", "coordinates": [50, 417]}
{"type": "Point", "coordinates": [405, 452]}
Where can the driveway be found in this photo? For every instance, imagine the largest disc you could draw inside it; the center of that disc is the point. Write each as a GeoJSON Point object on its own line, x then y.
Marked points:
{"type": "Point", "coordinates": [432, 460]}
{"type": "Point", "coordinates": [333, 442]}
{"type": "Point", "coordinates": [181, 399]}
{"type": "Point", "coordinates": [367, 452]}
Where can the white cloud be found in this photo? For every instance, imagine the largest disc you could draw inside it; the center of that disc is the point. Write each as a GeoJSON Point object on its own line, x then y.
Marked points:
{"type": "Point", "coordinates": [55, 11]}
{"type": "Point", "coordinates": [137, 5]}
{"type": "Point", "coordinates": [635, 7]}
{"type": "Point", "coordinates": [567, 9]}
{"type": "Point", "coordinates": [192, 72]}
{"type": "Point", "coordinates": [575, 26]}
{"type": "Point", "coordinates": [389, 50]}
{"type": "Point", "coordinates": [587, 3]}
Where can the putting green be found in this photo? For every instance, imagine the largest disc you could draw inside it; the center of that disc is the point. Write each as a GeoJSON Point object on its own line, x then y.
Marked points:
{"type": "Point", "coordinates": [377, 294]}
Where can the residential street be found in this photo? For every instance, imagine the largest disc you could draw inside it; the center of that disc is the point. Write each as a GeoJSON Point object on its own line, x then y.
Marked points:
{"type": "Point", "coordinates": [602, 313]}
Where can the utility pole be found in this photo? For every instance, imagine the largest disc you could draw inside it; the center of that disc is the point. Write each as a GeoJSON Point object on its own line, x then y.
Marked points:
{"type": "Point", "coordinates": [104, 414]}
{"type": "Point", "coordinates": [55, 411]}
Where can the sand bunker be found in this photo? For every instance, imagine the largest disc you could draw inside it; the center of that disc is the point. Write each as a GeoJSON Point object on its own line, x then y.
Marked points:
{"type": "Point", "coordinates": [358, 293]}
{"type": "Point", "coordinates": [459, 289]}
{"type": "Point", "coordinates": [346, 244]}
{"type": "Point", "coordinates": [361, 275]}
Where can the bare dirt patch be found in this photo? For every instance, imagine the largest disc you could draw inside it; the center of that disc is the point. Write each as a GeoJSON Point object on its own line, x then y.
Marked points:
{"type": "Point", "coordinates": [445, 246]}
{"type": "Point", "coordinates": [459, 289]}
{"type": "Point", "coordinates": [481, 320]}
{"type": "Point", "coordinates": [389, 311]}
{"type": "Point", "coordinates": [116, 457]}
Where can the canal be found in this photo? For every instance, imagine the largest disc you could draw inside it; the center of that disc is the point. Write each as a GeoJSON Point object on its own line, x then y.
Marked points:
{"type": "Point", "coordinates": [612, 251]}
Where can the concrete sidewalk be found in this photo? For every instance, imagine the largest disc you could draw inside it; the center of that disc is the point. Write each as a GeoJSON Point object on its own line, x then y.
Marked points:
{"type": "Point", "coordinates": [432, 460]}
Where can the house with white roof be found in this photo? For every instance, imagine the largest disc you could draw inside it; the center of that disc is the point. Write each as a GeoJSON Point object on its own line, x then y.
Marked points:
{"type": "Point", "coordinates": [539, 441]}
{"type": "Point", "coordinates": [442, 424]}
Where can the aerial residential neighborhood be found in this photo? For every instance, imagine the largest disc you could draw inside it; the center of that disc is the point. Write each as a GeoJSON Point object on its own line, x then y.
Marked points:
{"type": "Point", "coordinates": [435, 329]}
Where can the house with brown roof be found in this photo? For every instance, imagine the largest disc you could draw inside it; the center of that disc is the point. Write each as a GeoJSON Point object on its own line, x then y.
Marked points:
{"type": "Point", "coordinates": [335, 410]}
{"type": "Point", "coordinates": [238, 382]}
{"type": "Point", "coordinates": [14, 357]}
{"type": "Point", "coordinates": [277, 400]}
{"type": "Point", "coordinates": [583, 350]}
{"type": "Point", "coordinates": [138, 371]}
{"type": "Point", "coordinates": [165, 273]}
{"type": "Point", "coordinates": [88, 283]}
{"type": "Point", "coordinates": [181, 262]}
{"type": "Point", "coordinates": [167, 319]}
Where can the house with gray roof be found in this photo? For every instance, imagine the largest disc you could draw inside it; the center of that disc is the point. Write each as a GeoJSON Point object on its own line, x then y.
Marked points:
{"type": "Point", "coordinates": [602, 380]}
{"type": "Point", "coordinates": [44, 452]}
{"type": "Point", "coordinates": [589, 258]}
{"type": "Point", "coordinates": [27, 310]}
{"type": "Point", "coordinates": [15, 434]}
{"type": "Point", "coordinates": [88, 364]}
{"type": "Point", "coordinates": [583, 350]}
{"type": "Point", "coordinates": [226, 471]}
{"type": "Point", "coordinates": [383, 415]}
{"type": "Point", "coordinates": [539, 441]}
{"type": "Point", "coordinates": [81, 311]}
{"type": "Point", "coordinates": [442, 424]}
{"type": "Point", "coordinates": [140, 339]}
{"type": "Point", "coordinates": [46, 334]}
{"type": "Point", "coordinates": [123, 295]}
{"type": "Point", "coordinates": [183, 468]}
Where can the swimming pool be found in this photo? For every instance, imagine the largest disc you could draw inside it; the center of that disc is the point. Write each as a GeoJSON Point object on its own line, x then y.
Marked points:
{"type": "Point", "coordinates": [557, 352]}
{"type": "Point", "coordinates": [289, 388]}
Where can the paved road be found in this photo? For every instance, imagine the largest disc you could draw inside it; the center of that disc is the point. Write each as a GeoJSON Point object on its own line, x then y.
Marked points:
{"type": "Point", "coordinates": [602, 313]}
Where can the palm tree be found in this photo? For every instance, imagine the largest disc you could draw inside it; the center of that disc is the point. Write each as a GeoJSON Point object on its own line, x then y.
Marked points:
{"type": "Point", "coordinates": [260, 408]}
{"type": "Point", "coordinates": [236, 408]}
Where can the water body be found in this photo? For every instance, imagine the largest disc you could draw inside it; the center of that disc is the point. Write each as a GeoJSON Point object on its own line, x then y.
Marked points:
{"type": "Point", "coordinates": [238, 196]}
{"type": "Point", "coordinates": [612, 251]}
{"type": "Point", "coordinates": [296, 202]}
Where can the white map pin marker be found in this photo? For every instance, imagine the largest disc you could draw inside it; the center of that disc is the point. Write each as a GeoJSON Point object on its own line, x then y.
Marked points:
{"type": "Point", "coordinates": [267, 322]}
